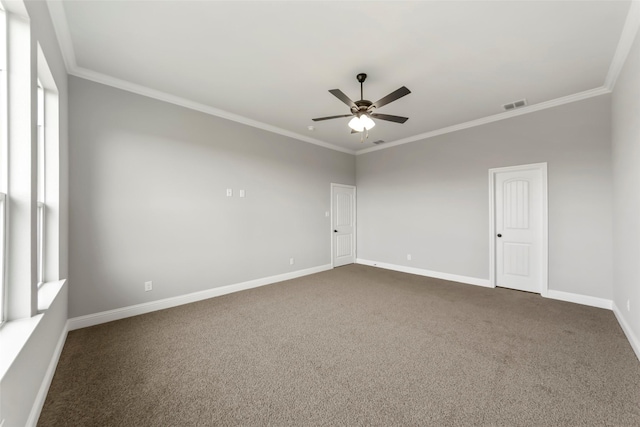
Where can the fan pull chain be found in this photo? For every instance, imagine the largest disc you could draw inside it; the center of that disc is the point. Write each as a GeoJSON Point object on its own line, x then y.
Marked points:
{"type": "Point", "coordinates": [364, 135]}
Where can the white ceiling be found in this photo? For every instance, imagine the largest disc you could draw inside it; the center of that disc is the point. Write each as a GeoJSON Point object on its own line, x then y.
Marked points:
{"type": "Point", "coordinates": [271, 64]}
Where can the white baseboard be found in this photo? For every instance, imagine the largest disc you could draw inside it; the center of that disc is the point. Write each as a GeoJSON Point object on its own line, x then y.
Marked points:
{"type": "Point", "coordinates": [427, 273]}
{"type": "Point", "coordinates": [579, 299]}
{"type": "Point", "coordinates": [34, 415]}
{"type": "Point", "coordinates": [631, 337]}
{"type": "Point", "coordinates": [148, 307]}
{"type": "Point", "coordinates": [559, 295]}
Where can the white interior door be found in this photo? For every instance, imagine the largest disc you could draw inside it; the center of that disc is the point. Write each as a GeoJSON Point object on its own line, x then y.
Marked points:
{"type": "Point", "coordinates": [343, 224]}
{"type": "Point", "coordinates": [520, 220]}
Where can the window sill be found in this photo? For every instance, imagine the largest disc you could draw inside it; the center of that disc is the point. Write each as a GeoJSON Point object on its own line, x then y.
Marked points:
{"type": "Point", "coordinates": [14, 334]}
{"type": "Point", "coordinates": [47, 293]}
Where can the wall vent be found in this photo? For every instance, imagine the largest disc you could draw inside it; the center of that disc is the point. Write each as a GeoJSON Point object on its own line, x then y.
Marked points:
{"type": "Point", "coordinates": [378, 142]}
{"type": "Point", "coordinates": [515, 104]}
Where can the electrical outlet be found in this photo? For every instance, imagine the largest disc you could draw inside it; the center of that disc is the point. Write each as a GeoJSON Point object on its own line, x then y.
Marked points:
{"type": "Point", "coordinates": [148, 286]}
{"type": "Point", "coordinates": [291, 262]}
{"type": "Point", "coordinates": [628, 305]}
{"type": "Point", "coordinates": [242, 193]}
{"type": "Point", "coordinates": [408, 257]}
{"type": "Point", "coordinates": [229, 192]}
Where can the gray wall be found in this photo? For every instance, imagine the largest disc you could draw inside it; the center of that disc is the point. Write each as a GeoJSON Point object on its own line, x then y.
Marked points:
{"type": "Point", "coordinates": [626, 190]}
{"type": "Point", "coordinates": [431, 198]}
{"type": "Point", "coordinates": [148, 202]}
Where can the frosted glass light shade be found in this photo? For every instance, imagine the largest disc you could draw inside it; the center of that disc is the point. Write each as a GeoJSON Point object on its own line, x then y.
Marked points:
{"type": "Point", "coordinates": [356, 124]}
{"type": "Point", "coordinates": [361, 123]}
{"type": "Point", "coordinates": [367, 122]}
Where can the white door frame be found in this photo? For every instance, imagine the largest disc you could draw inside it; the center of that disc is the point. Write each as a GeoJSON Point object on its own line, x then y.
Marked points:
{"type": "Point", "coordinates": [355, 206]}
{"type": "Point", "coordinates": [544, 215]}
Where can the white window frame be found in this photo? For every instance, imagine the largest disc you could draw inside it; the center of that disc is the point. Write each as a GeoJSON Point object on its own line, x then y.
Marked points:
{"type": "Point", "coordinates": [4, 164]}
{"type": "Point", "coordinates": [41, 185]}
{"type": "Point", "coordinates": [3, 234]}
{"type": "Point", "coordinates": [48, 265]}
{"type": "Point", "coordinates": [41, 242]}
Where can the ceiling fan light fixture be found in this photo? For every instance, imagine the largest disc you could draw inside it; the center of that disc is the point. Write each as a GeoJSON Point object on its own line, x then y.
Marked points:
{"type": "Point", "coordinates": [362, 110]}
{"type": "Point", "coordinates": [367, 122]}
{"type": "Point", "coordinates": [356, 124]}
{"type": "Point", "coordinates": [360, 123]}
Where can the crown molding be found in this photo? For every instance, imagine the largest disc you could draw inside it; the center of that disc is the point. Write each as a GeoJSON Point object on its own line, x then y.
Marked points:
{"type": "Point", "coordinates": [490, 119]}
{"type": "Point", "coordinates": [625, 43]}
{"type": "Point", "coordinates": [183, 102]}
{"type": "Point", "coordinates": [61, 28]}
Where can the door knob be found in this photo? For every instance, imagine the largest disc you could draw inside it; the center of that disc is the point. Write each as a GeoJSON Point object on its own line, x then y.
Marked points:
{"type": "Point", "coordinates": [499, 235]}
{"type": "Point", "coordinates": [335, 231]}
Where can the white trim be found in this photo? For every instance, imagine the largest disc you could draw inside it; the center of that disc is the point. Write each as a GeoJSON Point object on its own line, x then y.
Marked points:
{"type": "Point", "coordinates": [544, 215]}
{"type": "Point", "coordinates": [627, 38]}
{"type": "Point", "coordinates": [13, 337]}
{"type": "Point", "coordinates": [492, 231]}
{"type": "Point", "coordinates": [631, 337]}
{"type": "Point", "coordinates": [579, 299]}
{"type": "Point", "coordinates": [183, 102]}
{"type": "Point", "coordinates": [355, 218]}
{"type": "Point", "coordinates": [61, 28]}
{"type": "Point", "coordinates": [544, 268]}
{"type": "Point", "coordinates": [3, 257]}
{"type": "Point", "coordinates": [40, 242]}
{"type": "Point", "coordinates": [551, 294]}
{"type": "Point", "coordinates": [428, 273]}
{"type": "Point", "coordinates": [494, 118]}
{"type": "Point", "coordinates": [148, 307]}
{"type": "Point", "coordinates": [38, 403]}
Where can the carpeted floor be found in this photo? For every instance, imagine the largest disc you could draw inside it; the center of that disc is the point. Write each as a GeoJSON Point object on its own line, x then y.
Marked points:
{"type": "Point", "coordinates": [352, 346]}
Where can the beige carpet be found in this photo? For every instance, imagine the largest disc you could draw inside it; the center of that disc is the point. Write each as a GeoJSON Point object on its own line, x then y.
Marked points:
{"type": "Point", "coordinates": [352, 346]}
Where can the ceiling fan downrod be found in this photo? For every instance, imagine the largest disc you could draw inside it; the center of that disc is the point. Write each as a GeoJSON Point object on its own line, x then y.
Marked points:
{"type": "Point", "coordinates": [361, 78]}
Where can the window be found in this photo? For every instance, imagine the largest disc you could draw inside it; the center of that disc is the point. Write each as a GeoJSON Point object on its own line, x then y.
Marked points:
{"type": "Point", "coordinates": [27, 189]}
{"type": "Point", "coordinates": [48, 174]}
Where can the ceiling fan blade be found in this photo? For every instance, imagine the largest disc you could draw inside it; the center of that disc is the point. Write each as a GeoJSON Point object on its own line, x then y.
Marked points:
{"type": "Point", "coordinates": [342, 97]}
{"type": "Point", "coordinates": [390, 118]}
{"type": "Point", "coordinates": [331, 117]}
{"type": "Point", "coordinates": [356, 131]}
{"type": "Point", "coordinates": [397, 94]}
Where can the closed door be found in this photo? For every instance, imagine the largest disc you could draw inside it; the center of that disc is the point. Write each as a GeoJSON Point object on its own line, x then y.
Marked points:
{"type": "Point", "coordinates": [343, 218]}
{"type": "Point", "coordinates": [518, 228]}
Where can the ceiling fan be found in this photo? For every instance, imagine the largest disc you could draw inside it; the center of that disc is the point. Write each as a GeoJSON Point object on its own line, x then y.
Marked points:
{"type": "Point", "coordinates": [362, 111]}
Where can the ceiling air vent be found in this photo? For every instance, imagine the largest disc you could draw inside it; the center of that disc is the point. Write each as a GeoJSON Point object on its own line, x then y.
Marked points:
{"type": "Point", "coordinates": [515, 104]}
{"type": "Point", "coordinates": [378, 142]}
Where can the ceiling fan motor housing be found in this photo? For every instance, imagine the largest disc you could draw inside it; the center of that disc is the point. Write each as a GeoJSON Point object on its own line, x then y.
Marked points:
{"type": "Point", "coordinates": [361, 106]}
